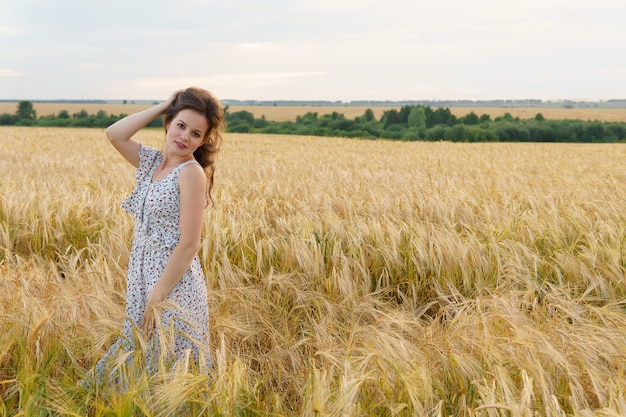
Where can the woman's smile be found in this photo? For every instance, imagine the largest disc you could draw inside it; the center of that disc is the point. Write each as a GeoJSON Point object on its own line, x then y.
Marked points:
{"type": "Point", "coordinates": [187, 130]}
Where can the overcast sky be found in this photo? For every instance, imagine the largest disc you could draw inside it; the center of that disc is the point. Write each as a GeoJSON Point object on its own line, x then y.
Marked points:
{"type": "Point", "coordinates": [314, 49]}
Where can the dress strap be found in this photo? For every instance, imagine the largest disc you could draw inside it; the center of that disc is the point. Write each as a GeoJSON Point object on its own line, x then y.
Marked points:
{"type": "Point", "coordinates": [191, 161]}
{"type": "Point", "coordinates": [177, 169]}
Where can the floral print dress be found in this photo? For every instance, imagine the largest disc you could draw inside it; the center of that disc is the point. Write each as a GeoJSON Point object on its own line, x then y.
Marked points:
{"type": "Point", "coordinates": [184, 330]}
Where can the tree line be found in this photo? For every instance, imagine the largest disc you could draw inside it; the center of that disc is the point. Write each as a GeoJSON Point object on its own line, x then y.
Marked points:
{"type": "Point", "coordinates": [409, 123]}
{"type": "Point", "coordinates": [421, 122]}
{"type": "Point", "coordinates": [25, 115]}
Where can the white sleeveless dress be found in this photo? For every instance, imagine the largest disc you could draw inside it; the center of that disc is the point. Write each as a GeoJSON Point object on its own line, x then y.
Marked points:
{"type": "Point", "coordinates": [156, 208]}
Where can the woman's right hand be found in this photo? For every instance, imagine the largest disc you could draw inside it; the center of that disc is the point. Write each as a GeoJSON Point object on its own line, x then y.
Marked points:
{"type": "Point", "coordinates": [173, 97]}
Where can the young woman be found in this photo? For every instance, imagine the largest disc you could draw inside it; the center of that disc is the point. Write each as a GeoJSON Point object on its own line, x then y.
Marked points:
{"type": "Point", "coordinates": [166, 296]}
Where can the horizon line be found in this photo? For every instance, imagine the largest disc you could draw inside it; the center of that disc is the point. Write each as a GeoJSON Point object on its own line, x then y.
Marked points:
{"type": "Point", "coordinates": [265, 101]}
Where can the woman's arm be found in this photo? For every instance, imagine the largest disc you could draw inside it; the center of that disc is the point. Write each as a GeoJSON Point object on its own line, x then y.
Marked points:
{"type": "Point", "coordinates": [192, 185]}
{"type": "Point", "coordinates": [120, 132]}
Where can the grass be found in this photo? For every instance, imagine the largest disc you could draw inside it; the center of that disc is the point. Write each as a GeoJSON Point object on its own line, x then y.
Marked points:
{"type": "Point", "coordinates": [346, 277]}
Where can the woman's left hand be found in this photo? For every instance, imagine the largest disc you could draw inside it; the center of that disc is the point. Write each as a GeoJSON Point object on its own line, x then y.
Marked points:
{"type": "Point", "coordinates": [149, 321]}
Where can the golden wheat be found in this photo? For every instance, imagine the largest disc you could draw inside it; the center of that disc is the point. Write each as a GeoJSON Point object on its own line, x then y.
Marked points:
{"type": "Point", "coordinates": [346, 277]}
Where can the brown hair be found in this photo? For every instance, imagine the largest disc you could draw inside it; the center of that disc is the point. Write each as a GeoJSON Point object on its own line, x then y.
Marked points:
{"type": "Point", "coordinates": [210, 107]}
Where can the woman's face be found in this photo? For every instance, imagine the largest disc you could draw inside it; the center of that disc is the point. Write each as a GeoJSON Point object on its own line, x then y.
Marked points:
{"type": "Point", "coordinates": [186, 132]}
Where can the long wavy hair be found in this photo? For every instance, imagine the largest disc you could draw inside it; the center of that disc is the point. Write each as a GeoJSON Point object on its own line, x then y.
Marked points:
{"type": "Point", "coordinates": [210, 107]}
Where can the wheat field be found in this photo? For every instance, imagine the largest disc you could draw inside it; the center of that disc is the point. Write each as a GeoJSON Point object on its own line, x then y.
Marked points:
{"type": "Point", "coordinates": [346, 278]}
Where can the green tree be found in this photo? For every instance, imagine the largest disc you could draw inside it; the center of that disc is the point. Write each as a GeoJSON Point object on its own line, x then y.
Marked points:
{"type": "Point", "coordinates": [440, 116]}
{"type": "Point", "coordinates": [391, 117]}
{"type": "Point", "coordinates": [507, 117]}
{"type": "Point", "coordinates": [471, 119]}
{"type": "Point", "coordinates": [81, 114]}
{"type": "Point", "coordinates": [417, 117]}
{"type": "Point", "coordinates": [512, 132]}
{"type": "Point", "coordinates": [7, 119]}
{"type": "Point", "coordinates": [240, 121]}
{"type": "Point", "coordinates": [309, 118]}
{"type": "Point", "coordinates": [25, 110]}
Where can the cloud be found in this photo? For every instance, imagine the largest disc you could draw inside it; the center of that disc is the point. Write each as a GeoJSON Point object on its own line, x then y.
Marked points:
{"type": "Point", "coordinates": [326, 5]}
{"type": "Point", "coordinates": [256, 45]}
{"type": "Point", "coordinates": [221, 80]}
{"type": "Point", "coordinates": [10, 73]}
{"type": "Point", "coordinates": [11, 31]}
{"type": "Point", "coordinates": [314, 49]}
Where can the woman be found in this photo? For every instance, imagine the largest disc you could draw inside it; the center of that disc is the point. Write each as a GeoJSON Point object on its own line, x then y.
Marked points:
{"type": "Point", "coordinates": [166, 295]}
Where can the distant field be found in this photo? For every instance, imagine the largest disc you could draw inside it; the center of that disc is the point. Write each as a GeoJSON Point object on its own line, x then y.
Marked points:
{"type": "Point", "coordinates": [44, 109]}
{"type": "Point", "coordinates": [286, 113]}
{"type": "Point", "coordinates": [603, 115]}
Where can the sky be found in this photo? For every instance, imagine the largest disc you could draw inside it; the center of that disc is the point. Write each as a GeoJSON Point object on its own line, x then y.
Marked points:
{"type": "Point", "coordinates": [337, 50]}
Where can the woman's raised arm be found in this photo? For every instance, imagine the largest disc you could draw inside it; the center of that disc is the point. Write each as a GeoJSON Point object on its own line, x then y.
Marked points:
{"type": "Point", "coordinates": [121, 132]}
